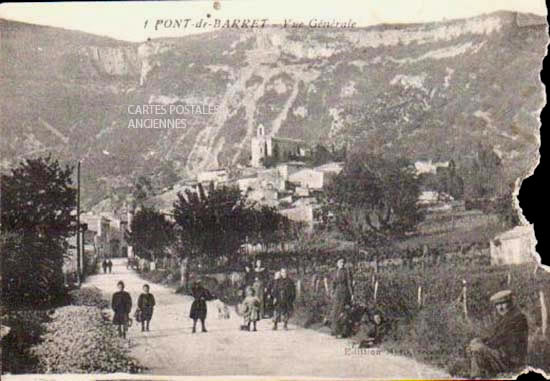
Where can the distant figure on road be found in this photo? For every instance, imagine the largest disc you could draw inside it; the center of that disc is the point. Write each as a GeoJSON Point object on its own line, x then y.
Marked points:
{"type": "Point", "coordinates": [284, 295]}
{"type": "Point", "coordinates": [104, 265]}
{"type": "Point", "coordinates": [198, 308]}
{"type": "Point", "coordinates": [121, 304]}
{"type": "Point", "coordinates": [251, 309]}
{"type": "Point", "coordinates": [146, 303]}
{"type": "Point", "coordinates": [342, 296]}
{"type": "Point", "coordinates": [504, 348]}
{"type": "Point", "coordinates": [110, 265]}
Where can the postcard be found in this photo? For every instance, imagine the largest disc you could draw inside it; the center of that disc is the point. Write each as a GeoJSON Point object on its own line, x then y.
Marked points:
{"type": "Point", "coordinates": [278, 190]}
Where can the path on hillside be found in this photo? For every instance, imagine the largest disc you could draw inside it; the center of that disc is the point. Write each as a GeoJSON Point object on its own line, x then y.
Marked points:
{"type": "Point", "coordinates": [171, 349]}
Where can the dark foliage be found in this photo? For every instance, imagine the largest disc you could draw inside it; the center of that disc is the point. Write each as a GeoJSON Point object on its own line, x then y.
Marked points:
{"type": "Point", "coordinates": [374, 200]}
{"type": "Point", "coordinates": [151, 234]}
{"type": "Point", "coordinates": [25, 331]}
{"type": "Point", "coordinates": [36, 205]}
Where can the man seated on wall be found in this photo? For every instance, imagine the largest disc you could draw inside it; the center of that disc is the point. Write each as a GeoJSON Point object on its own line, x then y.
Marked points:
{"type": "Point", "coordinates": [504, 349]}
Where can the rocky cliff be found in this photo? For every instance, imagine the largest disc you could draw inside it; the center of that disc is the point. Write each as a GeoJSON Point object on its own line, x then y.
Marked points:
{"type": "Point", "coordinates": [424, 91]}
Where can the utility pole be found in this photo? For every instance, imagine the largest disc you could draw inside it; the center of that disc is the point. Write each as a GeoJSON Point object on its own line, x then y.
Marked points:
{"type": "Point", "coordinates": [78, 268]}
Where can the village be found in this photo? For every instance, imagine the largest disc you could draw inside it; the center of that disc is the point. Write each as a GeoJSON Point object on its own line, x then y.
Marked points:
{"type": "Point", "coordinates": [294, 189]}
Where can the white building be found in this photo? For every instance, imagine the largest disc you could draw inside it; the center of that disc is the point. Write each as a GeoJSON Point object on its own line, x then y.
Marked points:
{"type": "Point", "coordinates": [281, 149]}
{"type": "Point", "coordinates": [303, 213]}
{"type": "Point", "coordinates": [216, 176]}
{"type": "Point", "coordinates": [514, 246]}
{"type": "Point", "coordinates": [427, 166]}
{"type": "Point", "coordinates": [247, 183]}
{"type": "Point", "coordinates": [308, 178]}
{"type": "Point", "coordinates": [287, 169]}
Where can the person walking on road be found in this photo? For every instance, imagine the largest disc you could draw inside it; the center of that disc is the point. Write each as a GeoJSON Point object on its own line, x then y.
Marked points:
{"type": "Point", "coordinates": [342, 296]}
{"type": "Point", "coordinates": [121, 304]}
{"type": "Point", "coordinates": [284, 295]}
{"type": "Point", "coordinates": [198, 307]}
{"type": "Point", "coordinates": [104, 265]}
{"type": "Point", "coordinates": [110, 265]}
{"type": "Point", "coordinates": [146, 303]}
{"type": "Point", "coordinates": [268, 299]}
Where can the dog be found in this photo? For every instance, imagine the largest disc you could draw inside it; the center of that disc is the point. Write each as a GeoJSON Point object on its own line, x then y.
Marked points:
{"type": "Point", "coordinates": [223, 310]}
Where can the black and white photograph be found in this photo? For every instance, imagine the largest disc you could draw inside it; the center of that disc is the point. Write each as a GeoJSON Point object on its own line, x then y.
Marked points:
{"type": "Point", "coordinates": [271, 189]}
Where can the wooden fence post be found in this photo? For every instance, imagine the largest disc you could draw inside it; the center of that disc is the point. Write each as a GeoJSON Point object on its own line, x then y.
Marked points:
{"type": "Point", "coordinates": [465, 300]}
{"type": "Point", "coordinates": [419, 296]}
{"type": "Point", "coordinates": [375, 290]}
{"type": "Point", "coordinates": [543, 313]}
{"type": "Point", "coordinates": [325, 281]}
{"type": "Point", "coordinates": [508, 278]}
{"type": "Point", "coordinates": [298, 288]}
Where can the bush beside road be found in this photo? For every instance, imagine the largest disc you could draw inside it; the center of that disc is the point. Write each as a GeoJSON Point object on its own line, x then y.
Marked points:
{"type": "Point", "coordinates": [76, 338]}
{"type": "Point", "coordinates": [79, 340]}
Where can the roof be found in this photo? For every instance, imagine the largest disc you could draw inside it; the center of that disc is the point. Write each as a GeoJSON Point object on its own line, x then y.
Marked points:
{"type": "Point", "coordinates": [288, 140]}
{"type": "Point", "coordinates": [519, 231]}
{"type": "Point", "coordinates": [330, 167]}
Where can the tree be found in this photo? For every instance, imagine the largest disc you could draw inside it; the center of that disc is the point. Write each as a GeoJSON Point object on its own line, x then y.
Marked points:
{"type": "Point", "coordinates": [36, 209]}
{"type": "Point", "coordinates": [485, 176]}
{"type": "Point", "coordinates": [211, 223]}
{"type": "Point", "coordinates": [321, 155]}
{"type": "Point", "coordinates": [374, 200]}
{"type": "Point", "coordinates": [142, 190]}
{"type": "Point", "coordinates": [266, 226]}
{"type": "Point", "coordinates": [151, 234]}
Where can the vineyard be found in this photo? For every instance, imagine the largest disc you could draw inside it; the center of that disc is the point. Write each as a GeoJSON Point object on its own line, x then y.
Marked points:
{"type": "Point", "coordinates": [434, 312]}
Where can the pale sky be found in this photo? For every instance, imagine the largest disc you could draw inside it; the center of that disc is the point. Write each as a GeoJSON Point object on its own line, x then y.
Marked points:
{"type": "Point", "coordinates": [126, 20]}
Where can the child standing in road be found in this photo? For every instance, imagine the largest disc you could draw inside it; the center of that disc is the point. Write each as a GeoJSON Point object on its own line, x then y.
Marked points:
{"type": "Point", "coordinates": [198, 308]}
{"type": "Point", "coordinates": [251, 309]}
{"type": "Point", "coordinates": [146, 303]}
{"type": "Point", "coordinates": [121, 304]}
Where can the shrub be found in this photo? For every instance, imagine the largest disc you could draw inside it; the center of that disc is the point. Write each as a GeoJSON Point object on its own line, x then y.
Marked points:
{"type": "Point", "coordinates": [311, 309]}
{"type": "Point", "coordinates": [25, 331]}
{"type": "Point", "coordinates": [79, 340]}
{"type": "Point", "coordinates": [91, 264]}
{"type": "Point", "coordinates": [88, 296]}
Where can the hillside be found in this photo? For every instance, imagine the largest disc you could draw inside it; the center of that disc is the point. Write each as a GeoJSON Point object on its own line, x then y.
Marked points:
{"type": "Point", "coordinates": [424, 91]}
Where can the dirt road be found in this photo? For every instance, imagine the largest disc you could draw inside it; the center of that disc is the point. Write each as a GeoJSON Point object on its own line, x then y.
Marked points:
{"type": "Point", "coordinates": [171, 349]}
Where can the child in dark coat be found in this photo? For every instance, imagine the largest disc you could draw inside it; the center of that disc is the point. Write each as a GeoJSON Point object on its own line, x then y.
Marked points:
{"type": "Point", "coordinates": [121, 304]}
{"type": "Point", "coordinates": [198, 308]}
{"type": "Point", "coordinates": [146, 303]}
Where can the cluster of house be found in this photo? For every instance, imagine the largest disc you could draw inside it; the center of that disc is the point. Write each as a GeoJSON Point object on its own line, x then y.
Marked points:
{"type": "Point", "coordinates": [104, 237]}
{"type": "Point", "coordinates": [288, 184]}
{"type": "Point", "coordinates": [279, 177]}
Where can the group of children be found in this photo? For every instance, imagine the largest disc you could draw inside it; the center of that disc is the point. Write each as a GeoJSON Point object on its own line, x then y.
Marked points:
{"type": "Point", "coordinates": [121, 304]}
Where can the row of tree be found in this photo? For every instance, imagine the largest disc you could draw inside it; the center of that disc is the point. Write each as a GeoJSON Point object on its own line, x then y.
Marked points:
{"type": "Point", "coordinates": [209, 224]}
